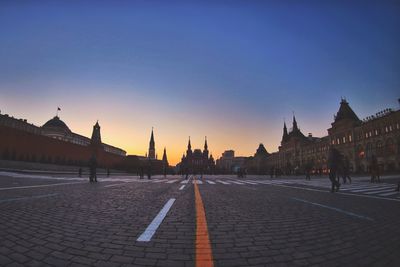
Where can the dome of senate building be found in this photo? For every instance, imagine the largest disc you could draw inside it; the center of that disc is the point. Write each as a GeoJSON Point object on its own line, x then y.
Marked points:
{"type": "Point", "coordinates": [56, 123]}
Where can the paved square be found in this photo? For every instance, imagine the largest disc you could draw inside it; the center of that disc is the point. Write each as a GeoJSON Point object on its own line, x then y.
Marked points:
{"type": "Point", "coordinates": [254, 221]}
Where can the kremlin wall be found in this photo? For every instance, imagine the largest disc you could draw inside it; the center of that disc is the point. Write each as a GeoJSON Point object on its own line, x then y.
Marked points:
{"type": "Point", "coordinates": [55, 143]}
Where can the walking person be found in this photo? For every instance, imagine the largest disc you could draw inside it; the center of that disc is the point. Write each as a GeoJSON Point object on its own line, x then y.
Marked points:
{"type": "Point", "coordinates": [333, 164]}
{"type": "Point", "coordinates": [149, 171]}
{"type": "Point", "coordinates": [346, 170]}
{"type": "Point", "coordinates": [308, 171]}
{"type": "Point", "coordinates": [374, 170]}
{"type": "Point", "coordinates": [141, 172]}
{"type": "Point", "coordinates": [92, 167]}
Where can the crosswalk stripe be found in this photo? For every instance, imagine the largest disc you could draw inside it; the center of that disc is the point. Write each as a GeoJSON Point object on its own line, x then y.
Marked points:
{"type": "Point", "coordinates": [197, 182]}
{"type": "Point", "coordinates": [389, 194]}
{"type": "Point", "coordinates": [247, 182]}
{"type": "Point", "coordinates": [210, 182]}
{"type": "Point", "coordinates": [380, 191]}
{"type": "Point", "coordinates": [222, 182]}
{"type": "Point", "coordinates": [158, 181]}
{"type": "Point", "coordinates": [235, 182]}
{"type": "Point", "coordinates": [172, 181]}
{"type": "Point", "coordinates": [185, 182]}
{"type": "Point", "coordinates": [360, 187]}
{"type": "Point", "coordinates": [370, 189]}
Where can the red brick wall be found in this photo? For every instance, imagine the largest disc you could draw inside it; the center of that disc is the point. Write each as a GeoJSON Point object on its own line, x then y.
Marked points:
{"type": "Point", "coordinates": [20, 145]}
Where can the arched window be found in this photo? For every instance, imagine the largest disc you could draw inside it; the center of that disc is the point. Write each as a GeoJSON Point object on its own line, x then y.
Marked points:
{"type": "Point", "coordinates": [369, 150]}
{"type": "Point", "coordinates": [379, 148]}
{"type": "Point", "coordinates": [390, 147]}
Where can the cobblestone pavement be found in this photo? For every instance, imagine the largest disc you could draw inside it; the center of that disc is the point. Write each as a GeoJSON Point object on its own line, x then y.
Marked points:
{"type": "Point", "coordinates": [255, 221]}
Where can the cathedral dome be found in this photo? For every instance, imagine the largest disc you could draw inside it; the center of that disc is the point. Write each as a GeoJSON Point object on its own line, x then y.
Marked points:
{"type": "Point", "coordinates": [56, 123]}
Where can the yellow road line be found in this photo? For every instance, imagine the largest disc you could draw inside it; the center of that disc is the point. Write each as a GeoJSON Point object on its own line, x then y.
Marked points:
{"type": "Point", "coordinates": [203, 248]}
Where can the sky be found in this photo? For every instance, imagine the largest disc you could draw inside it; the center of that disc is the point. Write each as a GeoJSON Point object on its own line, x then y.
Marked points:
{"type": "Point", "coordinates": [233, 71]}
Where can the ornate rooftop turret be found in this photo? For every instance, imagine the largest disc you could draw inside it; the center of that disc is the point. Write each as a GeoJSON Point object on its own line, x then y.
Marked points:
{"type": "Point", "coordinates": [345, 112]}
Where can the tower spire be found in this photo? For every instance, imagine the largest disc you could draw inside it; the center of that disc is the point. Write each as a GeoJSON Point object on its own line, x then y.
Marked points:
{"type": "Point", "coordinates": [205, 151]}
{"type": "Point", "coordinates": [285, 133]}
{"type": "Point", "coordinates": [152, 149]}
{"type": "Point", "coordinates": [295, 128]}
{"type": "Point", "coordinates": [189, 148]}
{"type": "Point", "coordinates": [164, 157]}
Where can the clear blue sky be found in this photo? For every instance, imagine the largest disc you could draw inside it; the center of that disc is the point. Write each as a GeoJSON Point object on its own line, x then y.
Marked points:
{"type": "Point", "coordinates": [232, 70]}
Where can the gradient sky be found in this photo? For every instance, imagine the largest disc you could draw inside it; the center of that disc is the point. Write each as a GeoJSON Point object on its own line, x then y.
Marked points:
{"type": "Point", "coordinates": [231, 70]}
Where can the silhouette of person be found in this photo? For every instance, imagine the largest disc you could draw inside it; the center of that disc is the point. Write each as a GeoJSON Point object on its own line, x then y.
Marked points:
{"type": "Point", "coordinates": [308, 171]}
{"type": "Point", "coordinates": [108, 172]}
{"type": "Point", "coordinates": [333, 164]}
{"type": "Point", "coordinates": [141, 172]}
{"type": "Point", "coordinates": [346, 170]}
{"type": "Point", "coordinates": [186, 173]}
{"type": "Point", "coordinates": [149, 171]}
{"type": "Point", "coordinates": [80, 172]}
{"type": "Point", "coordinates": [374, 170]}
{"type": "Point", "coordinates": [92, 167]}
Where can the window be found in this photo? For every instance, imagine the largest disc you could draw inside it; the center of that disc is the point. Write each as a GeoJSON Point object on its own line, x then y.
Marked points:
{"type": "Point", "coordinates": [369, 150]}
{"type": "Point", "coordinates": [350, 138]}
{"type": "Point", "coordinates": [344, 139]}
{"type": "Point", "coordinates": [379, 148]}
{"type": "Point", "coordinates": [390, 147]}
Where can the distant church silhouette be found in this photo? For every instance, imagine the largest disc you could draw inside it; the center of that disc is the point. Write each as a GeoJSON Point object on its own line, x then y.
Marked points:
{"type": "Point", "coordinates": [197, 161]}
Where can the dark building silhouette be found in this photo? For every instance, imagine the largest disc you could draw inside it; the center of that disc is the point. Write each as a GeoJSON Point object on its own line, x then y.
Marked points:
{"type": "Point", "coordinates": [197, 161]}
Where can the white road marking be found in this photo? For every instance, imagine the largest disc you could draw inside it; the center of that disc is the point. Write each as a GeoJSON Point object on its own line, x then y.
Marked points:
{"type": "Point", "coordinates": [389, 194]}
{"type": "Point", "coordinates": [181, 188]}
{"type": "Point", "coordinates": [222, 182]}
{"type": "Point", "coordinates": [153, 226]}
{"type": "Point", "coordinates": [158, 181]}
{"type": "Point", "coordinates": [247, 182]}
{"type": "Point", "coordinates": [371, 189]}
{"type": "Point", "coordinates": [197, 182]}
{"type": "Point", "coordinates": [111, 185]}
{"type": "Point", "coordinates": [171, 182]}
{"type": "Point", "coordinates": [235, 182]}
{"type": "Point", "coordinates": [380, 191]}
{"type": "Point", "coordinates": [185, 182]}
{"type": "Point", "coordinates": [36, 186]}
{"type": "Point", "coordinates": [335, 209]}
{"type": "Point", "coordinates": [339, 193]}
{"type": "Point", "coordinates": [210, 182]}
{"type": "Point", "coordinates": [27, 198]}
